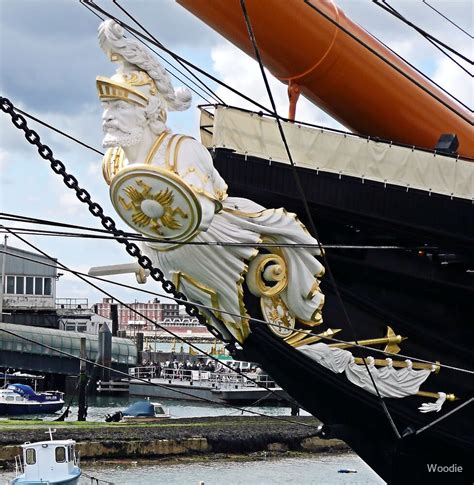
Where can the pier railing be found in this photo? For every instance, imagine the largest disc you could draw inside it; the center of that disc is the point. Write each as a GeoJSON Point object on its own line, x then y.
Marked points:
{"type": "Point", "coordinates": [217, 380]}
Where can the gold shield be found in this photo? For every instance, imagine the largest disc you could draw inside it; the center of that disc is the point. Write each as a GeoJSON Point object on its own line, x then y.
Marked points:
{"type": "Point", "coordinates": [156, 203]}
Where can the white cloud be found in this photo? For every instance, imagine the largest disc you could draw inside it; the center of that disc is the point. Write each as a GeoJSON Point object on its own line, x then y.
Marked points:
{"type": "Point", "coordinates": [243, 73]}
{"type": "Point", "coordinates": [455, 81]}
{"type": "Point", "coordinates": [69, 205]}
{"type": "Point", "coordinates": [94, 169]}
{"type": "Point", "coordinates": [3, 162]}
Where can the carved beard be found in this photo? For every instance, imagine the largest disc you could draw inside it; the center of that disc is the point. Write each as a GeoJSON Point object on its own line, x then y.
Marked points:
{"type": "Point", "coordinates": [116, 137]}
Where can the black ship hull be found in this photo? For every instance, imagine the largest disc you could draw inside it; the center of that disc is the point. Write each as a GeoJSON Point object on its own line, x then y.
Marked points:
{"type": "Point", "coordinates": [357, 417]}
{"type": "Point", "coordinates": [418, 284]}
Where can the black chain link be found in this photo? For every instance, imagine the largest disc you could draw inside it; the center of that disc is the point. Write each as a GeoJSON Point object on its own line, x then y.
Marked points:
{"type": "Point", "coordinates": [95, 209]}
{"type": "Point", "coordinates": [108, 223]}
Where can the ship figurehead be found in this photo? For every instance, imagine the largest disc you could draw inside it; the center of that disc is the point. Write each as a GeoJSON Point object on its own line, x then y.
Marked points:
{"type": "Point", "coordinates": [220, 251]}
{"type": "Point", "coordinates": [164, 186]}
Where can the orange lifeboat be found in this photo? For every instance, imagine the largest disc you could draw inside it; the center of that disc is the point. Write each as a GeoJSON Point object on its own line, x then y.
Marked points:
{"type": "Point", "coordinates": [342, 69]}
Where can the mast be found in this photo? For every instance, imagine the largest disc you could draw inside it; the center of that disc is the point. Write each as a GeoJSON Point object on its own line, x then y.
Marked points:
{"type": "Point", "coordinates": [343, 69]}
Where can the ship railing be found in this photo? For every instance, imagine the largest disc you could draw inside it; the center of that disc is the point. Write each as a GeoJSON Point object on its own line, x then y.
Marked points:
{"type": "Point", "coordinates": [231, 381]}
{"type": "Point", "coordinates": [219, 380]}
{"type": "Point", "coordinates": [143, 372]}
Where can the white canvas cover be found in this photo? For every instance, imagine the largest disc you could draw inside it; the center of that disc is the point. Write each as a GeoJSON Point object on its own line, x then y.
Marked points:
{"type": "Point", "coordinates": [343, 154]}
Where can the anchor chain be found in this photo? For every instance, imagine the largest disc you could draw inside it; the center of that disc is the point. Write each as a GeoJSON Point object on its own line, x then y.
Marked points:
{"type": "Point", "coordinates": [96, 210]}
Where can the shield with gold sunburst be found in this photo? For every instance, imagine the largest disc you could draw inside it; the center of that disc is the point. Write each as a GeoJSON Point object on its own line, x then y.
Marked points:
{"type": "Point", "coordinates": [156, 203]}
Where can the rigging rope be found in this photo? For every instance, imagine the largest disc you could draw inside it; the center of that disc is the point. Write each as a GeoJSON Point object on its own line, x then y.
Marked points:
{"type": "Point", "coordinates": [447, 18]}
{"type": "Point", "coordinates": [156, 324]}
{"type": "Point", "coordinates": [146, 381]}
{"type": "Point", "coordinates": [161, 57]}
{"type": "Point", "coordinates": [70, 181]}
{"type": "Point", "coordinates": [423, 33]}
{"type": "Point", "coordinates": [256, 320]}
{"type": "Point", "coordinates": [68, 177]}
{"type": "Point", "coordinates": [96, 210]}
{"type": "Point", "coordinates": [207, 88]}
{"type": "Point", "coordinates": [308, 212]}
{"type": "Point", "coordinates": [174, 55]}
{"type": "Point", "coordinates": [104, 235]}
{"type": "Point", "coordinates": [63, 133]}
{"type": "Point", "coordinates": [441, 418]}
{"type": "Point", "coordinates": [183, 392]}
{"type": "Point", "coordinates": [432, 40]}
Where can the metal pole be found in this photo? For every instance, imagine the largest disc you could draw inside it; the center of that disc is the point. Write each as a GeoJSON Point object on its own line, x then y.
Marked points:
{"type": "Point", "coordinates": [105, 351]}
{"type": "Point", "coordinates": [82, 413]}
{"type": "Point", "coordinates": [4, 258]}
{"type": "Point", "coordinates": [114, 317]}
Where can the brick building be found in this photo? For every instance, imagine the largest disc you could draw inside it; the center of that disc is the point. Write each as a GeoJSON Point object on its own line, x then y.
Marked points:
{"type": "Point", "coordinates": [129, 320]}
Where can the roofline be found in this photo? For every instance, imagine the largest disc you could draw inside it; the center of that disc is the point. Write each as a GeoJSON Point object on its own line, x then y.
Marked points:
{"type": "Point", "coordinates": [48, 442]}
{"type": "Point", "coordinates": [24, 251]}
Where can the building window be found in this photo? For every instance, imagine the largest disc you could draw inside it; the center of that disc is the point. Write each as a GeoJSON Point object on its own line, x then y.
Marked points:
{"type": "Point", "coordinates": [30, 456]}
{"type": "Point", "coordinates": [38, 286]}
{"type": "Point", "coordinates": [47, 286]}
{"type": "Point", "coordinates": [60, 454]}
{"type": "Point", "coordinates": [20, 285]}
{"type": "Point", "coordinates": [29, 285]}
{"type": "Point", "coordinates": [10, 285]}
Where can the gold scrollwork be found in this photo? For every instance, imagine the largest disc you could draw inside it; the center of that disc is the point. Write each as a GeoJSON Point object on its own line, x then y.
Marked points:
{"type": "Point", "coordinates": [267, 275]}
{"type": "Point", "coordinates": [276, 313]}
{"type": "Point", "coordinates": [160, 202]}
{"type": "Point", "coordinates": [240, 331]}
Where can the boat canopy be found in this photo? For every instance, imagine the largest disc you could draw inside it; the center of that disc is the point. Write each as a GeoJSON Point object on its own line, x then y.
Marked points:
{"type": "Point", "coordinates": [23, 390]}
{"type": "Point", "coordinates": [140, 408]}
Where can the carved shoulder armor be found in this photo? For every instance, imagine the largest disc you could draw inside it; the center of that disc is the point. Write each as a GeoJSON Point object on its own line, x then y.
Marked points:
{"type": "Point", "coordinates": [112, 163]}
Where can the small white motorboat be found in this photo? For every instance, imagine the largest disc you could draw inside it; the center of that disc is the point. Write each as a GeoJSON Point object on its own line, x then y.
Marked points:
{"type": "Point", "coordinates": [141, 412]}
{"type": "Point", "coordinates": [50, 462]}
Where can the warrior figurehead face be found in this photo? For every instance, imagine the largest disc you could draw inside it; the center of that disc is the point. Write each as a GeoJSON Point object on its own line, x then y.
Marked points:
{"type": "Point", "coordinates": [131, 104]}
{"type": "Point", "coordinates": [138, 95]}
{"type": "Point", "coordinates": [122, 123]}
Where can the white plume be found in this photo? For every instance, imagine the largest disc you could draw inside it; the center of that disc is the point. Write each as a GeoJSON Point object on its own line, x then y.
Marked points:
{"type": "Point", "coordinates": [113, 42]}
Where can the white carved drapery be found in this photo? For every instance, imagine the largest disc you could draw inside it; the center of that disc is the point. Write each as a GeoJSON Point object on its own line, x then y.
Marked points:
{"type": "Point", "coordinates": [390, 382]}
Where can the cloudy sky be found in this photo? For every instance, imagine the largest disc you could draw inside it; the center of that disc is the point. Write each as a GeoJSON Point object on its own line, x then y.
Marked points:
{"type": "Point", "coordinates": [49, 60]}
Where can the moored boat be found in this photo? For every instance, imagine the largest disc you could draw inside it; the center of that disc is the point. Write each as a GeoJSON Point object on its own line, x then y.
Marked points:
{"type": "Point", "coordinates": [19, 399]}
{"type": "Point", "coordinates": [50, 462]}
{"type": "Point", "coordinates": [192, 385]}
{"type": "Point", "coordinates": [141, 412]}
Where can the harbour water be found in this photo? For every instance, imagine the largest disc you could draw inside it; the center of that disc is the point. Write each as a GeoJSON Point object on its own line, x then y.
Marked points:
{"type": "Point", "coordinates": [100, 406]}
{"type": "Point", "coordinates": [318, 470]}
{"type": "Point", "coordinates": [259, 468]}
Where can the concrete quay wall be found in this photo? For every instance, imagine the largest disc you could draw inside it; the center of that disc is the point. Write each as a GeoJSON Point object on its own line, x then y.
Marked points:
{"type": "Point", "coordinates": [177, 437]}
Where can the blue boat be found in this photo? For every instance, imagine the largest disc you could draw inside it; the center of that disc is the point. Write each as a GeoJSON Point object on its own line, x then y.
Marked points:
{"type": "Point", "coordinates": [20, 399]}
{"type": "Point", "coordinates": [140, 412]}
